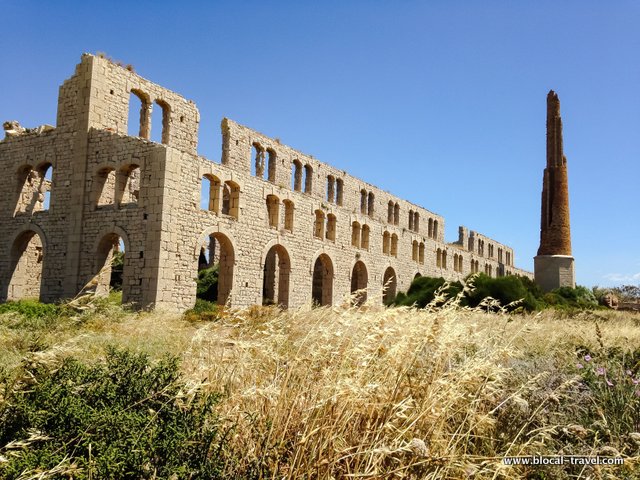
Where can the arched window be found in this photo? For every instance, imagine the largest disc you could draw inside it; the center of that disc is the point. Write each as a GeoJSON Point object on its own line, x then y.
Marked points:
{"type": "Point", "coordinates": [331, 189]}
{"type": "Point", "coordinates": [231, 199]}
{"type": "Point", "coordinates": [430, 228]}
{"type": "Point", "coordinates": [273, 210]}
{"type": "Point", "coordinates": [257, 153]}
{"type": "Point", "coordinates": [421, 253]}
{"type": "Point", "coordinates": [339, 191]}
{"type": "Point", "coordinates": [128, 191]}
{"type": "Point", "coordinates": [365, 237]}
{"type": "Point", "coordinates": [331, 227]}
{"type": "Point", "coordinates": [416, 222]}
{"type": "Point", "coordinates": [414, 251]}
{"type": "Point", "coordinates": [104, 187]}
{"type": "Point", "coordinates": [33, 189]}
{"type": "Point", "coordinates": [161, 122]}
{"type": "Point", "coordinates": [363, 201]}
{"type": "Point", "coordinates": [390, 212]}
{"type": "Point", "coordinates": [322, 282]}
{"type": "Point", "coordinates": [296, 176]}
{"type": "Point", "coordinates": [444, 259]}
{"type": "Point", "coordinates": [410, 219]}
{"type": "Point", "coordinates": [308, 179]}
{"type": "Point", "coordinates": [435, 229]}
{"type": "Point", "coordinates": [210, 193]}
{"type": "Point", "coordinates": [288, 215]}
{"type": "Point", "coordinates": [394, 245]}
{"type": "Point", "coordinates": [271, 165]}
{"type": "Point", "coordinates": [386, 243]}
{"type": "Point", "coordinates": [396, 214]}
{"type": "Point", "coordinates": [371, 204]}
{"type": "Point", "coordinates": [318, 227]}
{"type": "Point", "coordinates": [139, 114]}
{"type": "Point", "coordinates": [439, 258]}
{"type": "Point", "coordinates": [355, 234]}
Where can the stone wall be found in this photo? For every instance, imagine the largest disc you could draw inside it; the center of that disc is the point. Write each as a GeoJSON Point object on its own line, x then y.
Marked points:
{"type": "Point", "coordinates": [280, 223]}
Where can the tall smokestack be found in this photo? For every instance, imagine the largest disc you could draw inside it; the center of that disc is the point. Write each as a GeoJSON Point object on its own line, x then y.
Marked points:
{"type": "Point", "coordinates": [554, 263]}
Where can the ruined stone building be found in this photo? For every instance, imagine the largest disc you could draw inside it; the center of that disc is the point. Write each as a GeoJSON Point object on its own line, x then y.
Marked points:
{"type": "Point", "coordinates": [554, 265]}
{"type": "Point", "coordinates": [283, 226]}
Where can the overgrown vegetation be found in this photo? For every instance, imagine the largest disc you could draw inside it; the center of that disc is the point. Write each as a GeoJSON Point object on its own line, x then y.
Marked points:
{"type": "Point", "coordinates": [508, 292]}
{"type": "Point", "coordinates": [123, 418]}
{"type": "Point", "coordinates": [207, 284]}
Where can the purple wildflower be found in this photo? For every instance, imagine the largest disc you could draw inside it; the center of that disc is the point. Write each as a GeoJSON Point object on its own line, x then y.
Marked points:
{"type": "Point", "coordinates": [609, 382]}
{"type": "Point", "coordinates": [579, 366]}
{"type": "Point", "coordinates": [587, 358]}
{"type": "Point", "coordinates": [635, 381]}
{"type": "Point", "coordinates": [600, 371]}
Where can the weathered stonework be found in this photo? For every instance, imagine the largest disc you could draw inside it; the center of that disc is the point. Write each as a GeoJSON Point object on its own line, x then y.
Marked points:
{"type": "Point", "coordinates": [554, 265]}
{"type": "Point", "coordinates": [284, 227]}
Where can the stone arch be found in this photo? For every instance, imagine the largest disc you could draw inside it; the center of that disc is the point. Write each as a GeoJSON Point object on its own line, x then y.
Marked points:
{"type": "Point", "coordinates": [221, 250]}
{"type": "Point", "coordinates": [363, 201]}
{"type": "Point", "coordinates": [210, 193]}
{"type": "Point", "coordinates": [355, 234]}
{"type": "Point", "coordinates": [166, 121]}
{"type": "Point", "coordinates": [394, 245]}
{"type": "Point", "coordinates": [103, 276]}
{"type": "Point", "coordinates": [128, 185]}
{"type": "Point", "coordinates": [359, 281]}
{"type": "Point", "coordinates": [272, 159]}
{"type": "Point", "coordinates": [143, 119]}
{"type": "Point", "coordinates": [389, 285]}
{"type": "Point", "coordinates": [26, 259]}
{"type": "Point", "coordinates": [318, 224]}
{"type": "Point", "coordinates": [273, 211]}
{"type": "Point", "coordinates": [308, 178]}
{"type": "Point", "coordinates": [390, 212]}
{"type": "Point", "coordinates": [386, 242]}
{"type": "Point", "coordinates": [231, 199]}
{"type": "Point", "coordinates": [104, 187]}
{"type": "Point", "coordinates": [365, 237]}
{"type": "Point", "coordinates": [296, 176]}
{"type": "Point", "coordinates": [331, 189]}
{"type": "Point", "coordinates": [396, 214]}
{"type": "Point", "coordinates": [371, 203]}
{"type": "Point", "coordinates": [275, 276]}
{"type": "Point", "coordinates": [417, 275]}
{"type": "Point", "coordinates": [257, 166]}
{"type": "Point", "coordinates": [32, 188]}
{"type": "Point", "coordinates": [322, 280]}
{"type": "Point", "coordinates": [339, 191]}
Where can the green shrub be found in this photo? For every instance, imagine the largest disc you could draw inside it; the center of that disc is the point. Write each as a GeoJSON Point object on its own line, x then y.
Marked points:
{"type": "Point", "coordinates": [203, 310]}
{"type": "Point", "coordinates": [506, 290]}
{"type": "Point", "coordinates": [207, 288]}
{"type": "Point", "coordinates": [124, 418]}
{"type": "Point", "coordinates": [423, 290]}
{"type": "Point", "coordinates": [33, 309]}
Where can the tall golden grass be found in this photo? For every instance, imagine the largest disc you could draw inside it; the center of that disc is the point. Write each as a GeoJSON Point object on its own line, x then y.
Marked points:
{"type": "Point", "coordinates": [382, 392]}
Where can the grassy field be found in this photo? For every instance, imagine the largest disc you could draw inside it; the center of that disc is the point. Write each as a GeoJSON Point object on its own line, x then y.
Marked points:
{"type": "Point", "coordinates": [340, 392]}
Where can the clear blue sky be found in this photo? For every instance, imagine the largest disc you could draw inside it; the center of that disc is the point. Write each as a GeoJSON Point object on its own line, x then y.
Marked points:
{"type": "Point", "coordinates": [441, 102]}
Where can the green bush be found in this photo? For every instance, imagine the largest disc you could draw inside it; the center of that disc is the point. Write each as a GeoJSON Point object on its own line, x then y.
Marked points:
{"type": "Point", "coordinates": [33, 312]}
{"type": "Point", "coordinates": [124, 418]}
{"type": "Point", "coordinates": [423, 290]}
{"type": "Point", "coordinates": [506, 290]}
{"type": "Point", "coordinates": [203, 310]}
{"type": "Point", "coordinates": [207, 288]}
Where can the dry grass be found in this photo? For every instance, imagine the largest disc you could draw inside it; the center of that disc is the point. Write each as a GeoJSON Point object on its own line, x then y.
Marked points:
{"type": "Point", "coordinates": [380, 393]}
